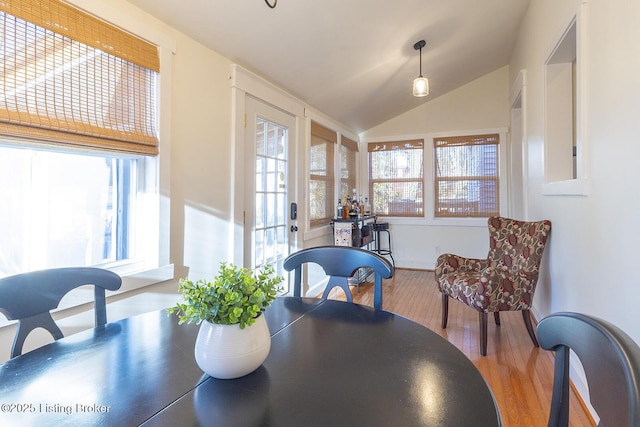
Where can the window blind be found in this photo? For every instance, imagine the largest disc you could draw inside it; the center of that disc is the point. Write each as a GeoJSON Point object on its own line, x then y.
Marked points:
{"type": "Point", "coordinates": [323, 132]}
{"type": "Point", "coordinates": [396, 178]}
{"type": "Point", "coordinates": [322, 175]}
{"type": "Point", "coordinates": [466, 176]}
{"type": "Point", "coordinates": [348, 159]}
{"type": "Point", "coordinates": [349, 143]}
{"type": "Point", "coordinates": [70, 79]}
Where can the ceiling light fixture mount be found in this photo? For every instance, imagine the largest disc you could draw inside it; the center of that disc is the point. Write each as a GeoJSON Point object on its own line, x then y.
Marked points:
{"type": "Point", "coordinates": [272, 6]}
{"type": "Point", "coordinates": [420, 84]}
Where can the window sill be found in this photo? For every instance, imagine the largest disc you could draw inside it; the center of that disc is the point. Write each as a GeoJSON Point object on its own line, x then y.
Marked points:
{"type": "Point", "coordinates": [144, 278]}
{"type": "Point", "coordinates": [571, 187]}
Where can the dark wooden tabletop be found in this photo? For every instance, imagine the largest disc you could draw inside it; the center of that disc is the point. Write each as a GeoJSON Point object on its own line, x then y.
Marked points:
{"type": "Point", "coordinates": [331, 363]}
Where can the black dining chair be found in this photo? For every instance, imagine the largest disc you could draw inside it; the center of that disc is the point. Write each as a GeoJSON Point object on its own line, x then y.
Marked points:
{"type": "Point", "coordinates": [29, 297]}
{"type": "Point", "coordinates": [340, 263]}
{"type": "Point", "coordinates": [611, 361]}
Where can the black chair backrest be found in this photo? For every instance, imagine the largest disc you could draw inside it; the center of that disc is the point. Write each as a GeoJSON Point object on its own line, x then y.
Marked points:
{"type": "Point", "coordinates": [611, 361]}
{"type": "Point", "coordinates": [339, 263]}
{"type": "Point", "coordinates": [29, 297]}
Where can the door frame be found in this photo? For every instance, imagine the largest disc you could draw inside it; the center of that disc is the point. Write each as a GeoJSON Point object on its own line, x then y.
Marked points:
{"type": "Point", "coordinates": [518, 156]}
{"type": "Point", "coordinates": [244, 84]}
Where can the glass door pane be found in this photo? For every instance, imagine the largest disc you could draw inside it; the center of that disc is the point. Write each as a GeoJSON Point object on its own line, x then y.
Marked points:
{"type": "Point", "coordinates": [267, 218]}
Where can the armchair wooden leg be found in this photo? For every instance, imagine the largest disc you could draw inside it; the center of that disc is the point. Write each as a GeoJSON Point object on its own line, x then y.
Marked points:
{"type": "Point", "coordinates": [445, 310]}
{"type": "Point", "coordinates": [483, 332]}
{"type": "Point", "coordinates": [526, 315]}
{"type": "Point", "coordinates": [496, 316]}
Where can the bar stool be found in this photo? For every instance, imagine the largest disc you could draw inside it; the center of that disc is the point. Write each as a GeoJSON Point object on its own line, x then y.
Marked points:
{"type": "Point", "coordinates": [383, 227]}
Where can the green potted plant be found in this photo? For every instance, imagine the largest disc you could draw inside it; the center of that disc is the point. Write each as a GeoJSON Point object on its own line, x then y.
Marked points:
{"type": "Point", "coordinates": [234, 338]}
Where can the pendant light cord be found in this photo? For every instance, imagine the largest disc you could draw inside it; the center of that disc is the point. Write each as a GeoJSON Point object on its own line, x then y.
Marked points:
{"type": "Point", "coordinates": [275, 3]}
{"type": "Point", "coordinates": [418, 46]}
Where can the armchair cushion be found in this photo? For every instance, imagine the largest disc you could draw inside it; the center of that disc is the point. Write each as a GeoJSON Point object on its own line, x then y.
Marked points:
{"type": "Point", "coordinates": [517, 245]}
{"type": "Point", "coordinates": [459, 277]}
{"type": "Point", "coordinates": [490, 290]}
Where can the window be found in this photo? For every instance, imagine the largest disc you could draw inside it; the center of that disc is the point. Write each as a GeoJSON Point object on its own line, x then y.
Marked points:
{"type": "Point", "coordinates": [348, 156]}
{"type": "Point", "coordinates": [65, 209]}
{"type": "Point", "coordinates": [466, 176]}
{"type": "Point", "coordinates": [322, 175]}
{"type": "Point", "coordinates": [396, 183]}
{"type": "Point", "coordinates": [77, 134]}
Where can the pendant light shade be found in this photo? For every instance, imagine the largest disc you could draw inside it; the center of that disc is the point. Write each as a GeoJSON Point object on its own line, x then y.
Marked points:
{"type": "Point", "coordinates": [420, 84]}
{"type": "Point", "coordinates": [421, 87]}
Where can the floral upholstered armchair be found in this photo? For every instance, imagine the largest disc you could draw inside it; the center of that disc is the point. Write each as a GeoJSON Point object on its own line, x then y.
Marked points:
{"type": "Point", "coordinates": [504, 281]}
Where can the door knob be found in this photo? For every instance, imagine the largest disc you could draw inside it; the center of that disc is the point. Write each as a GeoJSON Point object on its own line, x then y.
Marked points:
{"type": "Point", "coordinates": [294, 228]}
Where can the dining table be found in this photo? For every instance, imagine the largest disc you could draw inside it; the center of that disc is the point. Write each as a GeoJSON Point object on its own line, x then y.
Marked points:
{"type": "Point", "coordinates": [331, 363]}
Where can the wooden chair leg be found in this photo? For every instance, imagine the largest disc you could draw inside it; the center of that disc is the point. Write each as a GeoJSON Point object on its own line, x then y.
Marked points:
{"type": "Point", "coordinates": [526, 316]}
{"type": "Point", "coordinates": [496, 316]}
{"type": "Point", "coordinates": [483, 333]}
{"type": "Point", "coordinates": [445, 310]}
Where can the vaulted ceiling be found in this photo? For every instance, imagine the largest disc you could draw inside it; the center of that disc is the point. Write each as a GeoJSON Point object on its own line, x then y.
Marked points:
{"type": "Point", "coordinates": [353, 59]}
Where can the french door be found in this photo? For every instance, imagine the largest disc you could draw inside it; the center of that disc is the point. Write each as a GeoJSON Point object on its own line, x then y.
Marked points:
{"type": "Point", "coordinates": [269, 220]}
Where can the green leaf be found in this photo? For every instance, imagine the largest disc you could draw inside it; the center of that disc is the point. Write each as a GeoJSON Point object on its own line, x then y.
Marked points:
{"type": "Point", "coordinates": [236, 296]}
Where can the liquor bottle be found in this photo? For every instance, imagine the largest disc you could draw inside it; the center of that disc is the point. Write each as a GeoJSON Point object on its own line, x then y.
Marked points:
{"type": "Point", "coordinates": [339, 209]}
{"type": "Point", "coordinates": [361, 206]}
{"type": "Point", "coordinates": [345, 208]}
{"type": "Point", "coordinates": [367, 206]}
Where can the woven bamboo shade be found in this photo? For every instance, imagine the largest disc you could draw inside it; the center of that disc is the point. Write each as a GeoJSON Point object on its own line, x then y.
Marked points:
{"type": "Point", "coordinates": [466, 176]}
{"type": "Point", "coordinates": [70, 79]}
{"type": "Point", "coordinates": [323, 132]}
{"type": "Point", "coordinates": [396, 177]}
{"type": "Point", "coordinates": [349, 143]}
{"type": "Point", "coordinates": [348, 166]}
{"type": "Point", "coordinates": [68, 21]}
{"type": "Point", "coordinates": [396, 145]}
{"type": "Point", "coordinates": [322, 174]}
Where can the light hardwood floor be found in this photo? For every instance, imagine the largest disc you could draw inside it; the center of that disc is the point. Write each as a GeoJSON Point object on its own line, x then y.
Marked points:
{"type": "Point", "coordinates": [519, 374]}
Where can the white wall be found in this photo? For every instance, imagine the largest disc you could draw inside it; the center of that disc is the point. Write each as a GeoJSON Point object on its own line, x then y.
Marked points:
{"type": "Point", "coordinates": [477, 106]}
{"type": "Point", "coordinates": [201, 178]}
{"type": "Point", "coordinates": [593, 247]}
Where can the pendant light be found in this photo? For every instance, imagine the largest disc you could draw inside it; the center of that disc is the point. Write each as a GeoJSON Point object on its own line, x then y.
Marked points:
{"type": "Point", "coordinates": [420, 84]}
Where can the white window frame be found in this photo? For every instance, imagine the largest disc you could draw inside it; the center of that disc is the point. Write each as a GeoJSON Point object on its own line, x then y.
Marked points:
{"type": "Point", "coordinates": [578, 186]}
{"type": "Point", "coordinates": [494, 178]}
{"type": "Point", "coordinates": [394, 180]}
{"type": "Point", "coordinates": [429, 176]}
{"type": "Point", "coordinates": [326, 230]}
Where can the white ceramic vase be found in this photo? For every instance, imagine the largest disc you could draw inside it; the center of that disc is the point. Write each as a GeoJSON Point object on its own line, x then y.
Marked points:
{"type": "Point", "coordinates": [226, 351]}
